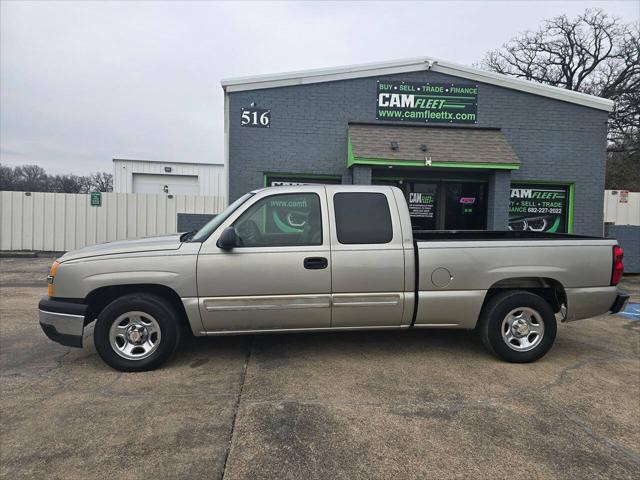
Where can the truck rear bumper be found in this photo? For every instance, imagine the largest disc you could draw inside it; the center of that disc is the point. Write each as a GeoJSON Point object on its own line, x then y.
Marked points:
{"type": "Point", "coordinates": [589, 302]}
{"type": "Point", "coordinates": [621, 302]}
{"type": "Point", "coordinates": [62, 321]}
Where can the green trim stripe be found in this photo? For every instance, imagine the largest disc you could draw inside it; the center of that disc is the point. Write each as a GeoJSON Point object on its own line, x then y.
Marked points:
{"type": "Point", "coordinates": [350, 158]}
{"type": "Point", "coordinates": [353, 160]}
{"type": "Point", "coordinates": [418, 163]}
{"type": "Point", "coordinates": [570, 207]}
{"type": "Point", "coordinates": [410, 178]}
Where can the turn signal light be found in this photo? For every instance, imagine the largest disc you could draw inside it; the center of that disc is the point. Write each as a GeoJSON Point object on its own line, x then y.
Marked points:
{"type": "Point", "coordinates": [51, 277]}
{"type": "Point", "coordinates": [618, 267]}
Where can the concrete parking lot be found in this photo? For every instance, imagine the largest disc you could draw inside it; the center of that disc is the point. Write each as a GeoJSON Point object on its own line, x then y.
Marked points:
{"type": "Point", "coordinates": [417, 404]}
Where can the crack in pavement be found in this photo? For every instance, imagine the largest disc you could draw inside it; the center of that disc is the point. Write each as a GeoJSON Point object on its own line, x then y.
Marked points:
{"type": "Point", "coordinates": [237, 407]}
{"type": "Point", "coordinates": [634, 456]}
{"type": "Point", "coordinates": [559, 381]}
{"type": "Point", "coordinates": [488, 403]}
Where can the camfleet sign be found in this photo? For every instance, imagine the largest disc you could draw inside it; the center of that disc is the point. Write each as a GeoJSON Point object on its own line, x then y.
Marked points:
{"type": "Point", "coordinates": [426, 102]}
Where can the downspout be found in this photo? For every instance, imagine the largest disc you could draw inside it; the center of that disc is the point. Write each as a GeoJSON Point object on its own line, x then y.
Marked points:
{"type": "Point", "coordinates": [226, 146]}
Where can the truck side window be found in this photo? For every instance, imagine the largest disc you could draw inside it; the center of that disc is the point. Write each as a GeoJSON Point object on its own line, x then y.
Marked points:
{"type": "Point", "coordinates": [362, 218]}
{"type": "Point", "coordinates": [281, 220]}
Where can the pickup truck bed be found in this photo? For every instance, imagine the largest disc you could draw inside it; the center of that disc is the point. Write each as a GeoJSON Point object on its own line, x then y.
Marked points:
{"type": "Point", "coordinates": [460, 268]}
{"type": "Point", "coordinates": [506, 235]}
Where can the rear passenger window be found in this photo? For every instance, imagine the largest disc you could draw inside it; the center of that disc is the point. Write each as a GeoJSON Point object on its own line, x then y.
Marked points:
{"type": "Point", "coordinates": [362, 218]}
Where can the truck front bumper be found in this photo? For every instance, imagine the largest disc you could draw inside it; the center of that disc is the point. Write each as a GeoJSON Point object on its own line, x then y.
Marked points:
{"type": "Point", "coordinates": [62, 321]}
{"type": "Point", "coordinates": [621, 302]}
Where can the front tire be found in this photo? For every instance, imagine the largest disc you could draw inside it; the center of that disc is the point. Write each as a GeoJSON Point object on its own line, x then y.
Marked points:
{"type": "Point", "coordinates": [518, 326]}
{"type": "Point", "coordinates": [136, 332]}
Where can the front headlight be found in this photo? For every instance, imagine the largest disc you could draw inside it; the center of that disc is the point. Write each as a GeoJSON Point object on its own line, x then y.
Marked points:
{"type": "Point", "coordinates": [51, 277]}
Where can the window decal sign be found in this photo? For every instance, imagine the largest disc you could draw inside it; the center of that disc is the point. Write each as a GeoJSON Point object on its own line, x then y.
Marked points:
{"type": "Point", "coordinates": [539, 208]}
{"type": "Point", "coordinates": [421, 205]}
{"type": "Point", "coordinates": [467, 205]}
{"type": "Point", "coordinates": [426, 102]}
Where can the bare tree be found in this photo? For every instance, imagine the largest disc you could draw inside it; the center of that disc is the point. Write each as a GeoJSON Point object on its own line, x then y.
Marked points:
{"type": "Point", "coordinates": [8, 178]}
{"type": "Point", "coordinates": [67, 184]}
{"type": "Point", "coordinates": [33, 178]}
{"type": "Point", "coordinates": [592, 53]}
{"type": "Point", "coordinates": [101, 182]}
{"type": "Point", "coordinates": [87, 184]}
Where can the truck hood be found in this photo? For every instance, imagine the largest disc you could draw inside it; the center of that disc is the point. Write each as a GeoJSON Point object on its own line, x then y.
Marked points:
{"type": "Point", "coordinates": [149, 244]}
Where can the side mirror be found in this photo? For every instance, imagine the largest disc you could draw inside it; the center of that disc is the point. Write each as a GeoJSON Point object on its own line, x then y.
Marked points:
{"type": "Point", "coordinates": [228, 239]}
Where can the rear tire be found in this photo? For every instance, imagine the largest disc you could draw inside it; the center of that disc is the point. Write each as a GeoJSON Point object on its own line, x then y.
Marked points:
{"type": "Point", "coordinates": [517, 326]}
{"type": "Point", "coordinates": [137, 332]}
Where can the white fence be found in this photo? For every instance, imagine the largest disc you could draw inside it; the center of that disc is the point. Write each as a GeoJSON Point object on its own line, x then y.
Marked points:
{"type": "Point", "coordinates": [622, 207]}
{"type": "Point", "coordinates": [66, 221]}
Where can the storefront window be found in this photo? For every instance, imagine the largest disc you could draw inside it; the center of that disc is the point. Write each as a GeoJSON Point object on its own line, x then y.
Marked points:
{"type": "Point", "coordinates": [422, 199]}
{"type": "Point", "coordinates": [466, 207]}
{"type": "Point", "coordinates": [540, 207]}
{"type": "Point", "coordinates": [442, 204]}
{"type": "Point", "coordinates": [278, 180]}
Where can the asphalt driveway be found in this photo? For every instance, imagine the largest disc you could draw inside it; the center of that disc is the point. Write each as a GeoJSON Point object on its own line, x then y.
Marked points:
{"type": "Point", "coordinates": [418, 404]}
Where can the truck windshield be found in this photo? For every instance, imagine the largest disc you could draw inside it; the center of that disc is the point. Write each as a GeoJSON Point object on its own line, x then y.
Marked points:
{"type": "Point", "coordinates": [215, 222]}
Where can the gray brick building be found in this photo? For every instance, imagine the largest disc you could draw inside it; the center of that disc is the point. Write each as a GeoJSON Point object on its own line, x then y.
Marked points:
{"type": "Point", "coordinates": [470, 149]}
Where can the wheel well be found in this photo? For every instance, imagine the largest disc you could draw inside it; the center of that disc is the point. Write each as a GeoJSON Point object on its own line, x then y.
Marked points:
{"type": "Point", "coordinates": [99, 298]}
{"type": "Point", "coordinates": [549, 289]}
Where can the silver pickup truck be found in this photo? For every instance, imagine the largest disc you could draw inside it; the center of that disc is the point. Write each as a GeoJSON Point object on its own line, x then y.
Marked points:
{"type": "Point", "coordinates": [324, 258]}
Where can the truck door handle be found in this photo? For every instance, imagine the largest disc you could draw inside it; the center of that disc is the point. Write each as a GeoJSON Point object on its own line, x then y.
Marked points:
{"type": "Point", "coordinates": [315, 263]}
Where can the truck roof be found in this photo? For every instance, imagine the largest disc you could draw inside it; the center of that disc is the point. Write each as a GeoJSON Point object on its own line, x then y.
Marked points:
{"type": "Point", "coordinates": [355, 188]}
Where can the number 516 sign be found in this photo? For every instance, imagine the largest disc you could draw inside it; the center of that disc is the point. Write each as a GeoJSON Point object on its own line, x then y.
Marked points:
{"type": "Point", "coordinates": [255, 117]}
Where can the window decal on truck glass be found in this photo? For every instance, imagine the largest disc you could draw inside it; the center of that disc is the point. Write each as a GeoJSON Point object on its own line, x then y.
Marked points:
{"type": "Point", "coordinates": [289, 216]}
{"type": "Point", "coordinates": [539, 207]}
{"type": "Point", "coordinates": [281, 220]}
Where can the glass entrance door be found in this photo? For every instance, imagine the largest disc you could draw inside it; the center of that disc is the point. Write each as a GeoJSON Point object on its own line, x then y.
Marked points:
{"type": "Point", "coordinates": [443, 204]}
{"type": "Point", "coordinates": [465, 206]}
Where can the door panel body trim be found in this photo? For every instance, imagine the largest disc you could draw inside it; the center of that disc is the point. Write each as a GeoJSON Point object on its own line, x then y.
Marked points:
{"type": "Point", "coordinates": [266, 302]}
{"type": "Point", "coordinates": [366, 299]}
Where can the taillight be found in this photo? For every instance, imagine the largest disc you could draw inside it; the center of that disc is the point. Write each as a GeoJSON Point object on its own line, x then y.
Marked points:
{"type": "Point", "coordinates": [618, 268]}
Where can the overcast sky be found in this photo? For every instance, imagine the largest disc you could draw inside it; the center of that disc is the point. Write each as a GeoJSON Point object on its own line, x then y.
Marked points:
{"type": "Point", "coordinates": [83, 82]}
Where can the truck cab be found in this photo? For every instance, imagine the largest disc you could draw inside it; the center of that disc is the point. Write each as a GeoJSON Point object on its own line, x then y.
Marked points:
{"type": "Point", "coordinates": [345, 256]}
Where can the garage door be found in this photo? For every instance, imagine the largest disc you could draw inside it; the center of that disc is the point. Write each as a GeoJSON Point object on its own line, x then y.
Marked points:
{"type": "Point", "coordinates": [176, 184]}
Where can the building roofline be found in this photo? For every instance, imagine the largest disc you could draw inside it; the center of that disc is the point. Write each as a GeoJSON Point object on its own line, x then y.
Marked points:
{"type": "Point", "coordinates": [166, 161]}
{"type": "Point", "coordinates": [346, 72]}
